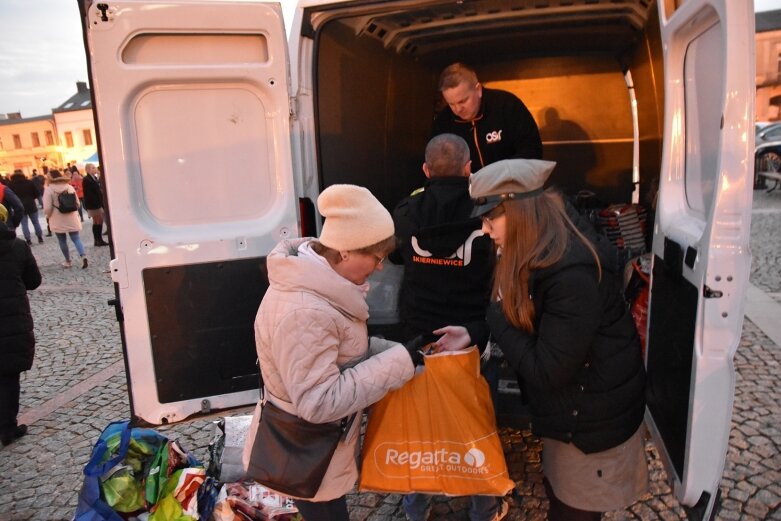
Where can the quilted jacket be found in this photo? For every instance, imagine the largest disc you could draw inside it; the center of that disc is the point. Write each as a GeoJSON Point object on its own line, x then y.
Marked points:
{"type": "Point", "coordinates": [315, 355]}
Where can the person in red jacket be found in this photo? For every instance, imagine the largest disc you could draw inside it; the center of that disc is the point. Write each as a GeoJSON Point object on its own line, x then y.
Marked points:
{"type": "Point", "coordinates": [77, 182]}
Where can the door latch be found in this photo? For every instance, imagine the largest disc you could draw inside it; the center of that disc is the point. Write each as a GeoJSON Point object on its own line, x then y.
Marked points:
{"type": "Point", "coordinates": [103, 8]}
{"type": "Point", "coordinates": [711, 293]}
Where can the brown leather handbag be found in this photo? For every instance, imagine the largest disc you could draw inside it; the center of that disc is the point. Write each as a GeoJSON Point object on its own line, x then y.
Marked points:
{"type": "Point", "coordinates": [291, 455]}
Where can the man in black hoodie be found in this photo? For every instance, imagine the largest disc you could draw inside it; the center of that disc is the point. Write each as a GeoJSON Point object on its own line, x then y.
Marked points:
{"type": "Point", "coordinates": [495, 124]}
{"type": "Point", "coordinates": [18, 274]}
{"type": "Point", "coordinates": [447, 273]}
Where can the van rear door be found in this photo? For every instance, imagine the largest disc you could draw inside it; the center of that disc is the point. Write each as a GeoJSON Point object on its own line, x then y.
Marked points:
{"type": "Point", "coordinates": [701, 254]}
{"type": "Point", "coordinates": [191, 101]}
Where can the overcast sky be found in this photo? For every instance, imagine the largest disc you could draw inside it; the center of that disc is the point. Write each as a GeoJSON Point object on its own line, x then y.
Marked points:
{"type": "Point", "coordinates": [42, 52]}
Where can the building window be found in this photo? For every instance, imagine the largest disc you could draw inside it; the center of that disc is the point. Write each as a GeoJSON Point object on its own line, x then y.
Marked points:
{"type": "Point", "coordinates": [49, 138]}
{"type": "Point", "coordinates": [69, 140]}
{"type": "Point", "coordinates": [87, 137]}
{"type": "Point", "coordinates": [17, 141]}
{"type": "Point", "coordinates": [36, 139]}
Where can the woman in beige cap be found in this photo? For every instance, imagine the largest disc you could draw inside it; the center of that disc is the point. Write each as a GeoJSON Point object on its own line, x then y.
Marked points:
{"type": "Point", "coordinates": [63, 224]}
{"type": "Point", "coordinates": [560, 319]}
{"type": "Point", "coordinates": [310, 333]}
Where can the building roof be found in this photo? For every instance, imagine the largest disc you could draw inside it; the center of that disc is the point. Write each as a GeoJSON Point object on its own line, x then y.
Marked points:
{"type": "Point", "coordinates": [768, 21]}
{"type": "Point", "coordinates": [79, 101]}
{"type": "Point", "coordinates": [16, 121]}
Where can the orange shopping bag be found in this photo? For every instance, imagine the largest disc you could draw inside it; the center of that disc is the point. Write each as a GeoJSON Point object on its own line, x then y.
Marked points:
{"type": "Point", "coordinates": [436, 434]}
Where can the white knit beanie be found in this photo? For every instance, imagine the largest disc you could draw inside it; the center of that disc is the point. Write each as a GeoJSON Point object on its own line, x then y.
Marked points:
{"type": "Point", "coordinates": [354, 218]}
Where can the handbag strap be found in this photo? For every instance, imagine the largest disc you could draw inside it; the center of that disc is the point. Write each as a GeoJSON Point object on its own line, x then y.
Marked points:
{"type": "Point", "coordinates": [344, 424]}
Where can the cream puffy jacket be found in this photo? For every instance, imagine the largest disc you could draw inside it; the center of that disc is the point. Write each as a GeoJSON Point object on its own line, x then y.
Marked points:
{"type": "Point", "coordinates": [315, 355]}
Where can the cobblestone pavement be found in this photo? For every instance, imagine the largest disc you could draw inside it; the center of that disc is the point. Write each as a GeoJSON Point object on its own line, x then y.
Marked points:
{"type": "Point", "coordinates": [77, 386]}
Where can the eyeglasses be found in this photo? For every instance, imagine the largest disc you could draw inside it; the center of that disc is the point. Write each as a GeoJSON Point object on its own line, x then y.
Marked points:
{"type": "Point", "coordinates": [493, 214]}
{"type": "Point", "coordinates": [379, 260]}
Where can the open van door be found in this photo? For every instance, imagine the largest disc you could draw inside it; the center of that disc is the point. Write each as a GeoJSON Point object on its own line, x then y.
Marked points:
{"type": "Point", "coordinates": [701, 256]}
{"type": "Point", "coordinates": [192, 104]}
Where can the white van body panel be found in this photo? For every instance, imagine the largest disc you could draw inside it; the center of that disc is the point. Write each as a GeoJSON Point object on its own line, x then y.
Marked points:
{"type": "Point", "coordinates": [705, 208]}
{"type": "Point", "coordinates": [179, 89]}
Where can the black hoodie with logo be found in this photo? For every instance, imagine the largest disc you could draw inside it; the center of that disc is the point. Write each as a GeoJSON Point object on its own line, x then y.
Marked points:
{"type": "Point", "coordinates": [448, 262]}
{"type": "Point", "coordinates": [503, 129]}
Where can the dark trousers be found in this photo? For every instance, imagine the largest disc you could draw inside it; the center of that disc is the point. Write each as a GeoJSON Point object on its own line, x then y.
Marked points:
{"type": "Point", "coordinates": [559, 511]}
{"type": "Point", "coordinates": [9, 403]}
{"type": "Point", "coordinates": [334, 510]}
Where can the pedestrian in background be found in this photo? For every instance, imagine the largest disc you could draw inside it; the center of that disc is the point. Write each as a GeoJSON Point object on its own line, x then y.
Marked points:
{"type": "Point", "coordinates": [560, 318]}
{"type": "Point", "coordinates": [66, 224]}
{"type": "Point", "coordinates": [28, 194]}
{"type": "Point", "coordinates": [13, 206]}
{"type": "Point", "coordinates": [93, 202]}
{"type": "Point", "coordinates": [18, 274]}
{"type": "Point", "coordinates": [39, 181]}
{"type": "Point", "coordinates": [77, 182]}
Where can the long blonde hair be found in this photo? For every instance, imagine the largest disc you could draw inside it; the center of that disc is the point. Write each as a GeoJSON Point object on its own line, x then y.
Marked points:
{"type": "Point", "coordinates": [537, 234]}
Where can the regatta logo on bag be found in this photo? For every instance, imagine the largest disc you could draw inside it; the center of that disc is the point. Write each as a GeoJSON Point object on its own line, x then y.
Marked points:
{"type": "Point", "coordinates": [437, 458]}
{"type": "Point", "coordinates": [441, 459]}
{"type": "Point", "coordinates": [474, 457]}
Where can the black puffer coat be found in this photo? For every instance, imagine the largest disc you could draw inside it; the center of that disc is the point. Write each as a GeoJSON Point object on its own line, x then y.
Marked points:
{"type": "Point", "coordinates": [582, 368]}
{"type": "Point", "coordinates": [18, 273]}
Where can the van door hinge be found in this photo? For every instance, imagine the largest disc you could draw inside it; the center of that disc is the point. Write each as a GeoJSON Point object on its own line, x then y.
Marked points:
{"type": "Point", "coordinates": [711, 293]}
{"type": "Point", "coordinates": [118, 270]}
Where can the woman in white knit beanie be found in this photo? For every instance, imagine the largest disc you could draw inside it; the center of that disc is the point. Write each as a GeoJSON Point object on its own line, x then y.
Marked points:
{"type": "Point", "coordinates": [316, 359]}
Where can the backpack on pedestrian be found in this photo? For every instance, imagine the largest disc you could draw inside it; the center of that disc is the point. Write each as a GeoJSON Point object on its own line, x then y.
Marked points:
{"type": "Point", "coordinates": [68, 202]}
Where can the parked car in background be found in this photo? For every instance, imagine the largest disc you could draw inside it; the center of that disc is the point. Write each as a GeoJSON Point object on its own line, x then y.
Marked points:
{"type": "Point", "coordinates": [767, 153]}
{"type": "Point", "coordinates": [761, 125]}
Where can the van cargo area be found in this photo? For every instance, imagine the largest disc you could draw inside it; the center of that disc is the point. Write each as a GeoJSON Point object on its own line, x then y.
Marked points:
{"type": "Point", "coordinates": [590, 72]}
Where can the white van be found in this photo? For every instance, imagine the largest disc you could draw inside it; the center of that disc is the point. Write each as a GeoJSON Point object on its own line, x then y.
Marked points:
{"type": "Point", "coordinates": [216, 138]}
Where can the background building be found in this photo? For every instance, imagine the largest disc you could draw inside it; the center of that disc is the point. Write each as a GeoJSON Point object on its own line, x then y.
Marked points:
{"type": "Point", "coordinates": [768, 52]}
{"type": "Point", "coordinates": [75, 126]}
{"type": "Point", "coordinates": [27, 143]}
{"type": "Point", "coordinates": [67, 135]}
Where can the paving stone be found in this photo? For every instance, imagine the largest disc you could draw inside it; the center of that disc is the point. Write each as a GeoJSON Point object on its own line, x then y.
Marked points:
{"type": "Point", "coordinates": [768, 498]}
{"type": "Point", "coordinates": [78, 336]}
{"type": "Point", "coordinates": [756, 508]}
{"type": "Point", "coordinates": [729, 515]}
{"type": "Point", "coordinates": [739, 495]}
